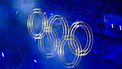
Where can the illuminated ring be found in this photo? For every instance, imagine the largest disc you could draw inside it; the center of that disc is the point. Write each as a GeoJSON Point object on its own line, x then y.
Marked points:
{"type": "Point", "coordinates": [30, 23]}
{"type": "Point", "coordinates": [48, 31]}
{"type": "Point", "coordinates": [77, 46]}
{"type": "Point", "coordinates": [89, 34]}
{"type": "Point", "coordinates": [65, 26]}
{"type": "Point", "coordinates": [44, 52]}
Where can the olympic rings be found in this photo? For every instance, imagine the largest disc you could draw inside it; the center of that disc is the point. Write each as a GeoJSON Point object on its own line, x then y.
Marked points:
{"type": "Point", "coordinates": [68, 36]}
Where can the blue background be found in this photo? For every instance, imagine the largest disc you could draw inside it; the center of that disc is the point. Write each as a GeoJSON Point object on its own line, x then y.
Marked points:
{"type": "Point", "coordinates": [18, 50]}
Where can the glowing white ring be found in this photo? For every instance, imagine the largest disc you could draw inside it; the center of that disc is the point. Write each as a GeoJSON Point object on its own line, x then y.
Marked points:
{"type": "Point", "coordinates": [89, 34]}
{"type": "Point", "coordinates": [44, 52]}
{"type": "Point", "coordinates": [77, 59]}
{"type": "Point", "coordinates": [63, 21]}
{"type": "Point", "coordinates": [30, 23]}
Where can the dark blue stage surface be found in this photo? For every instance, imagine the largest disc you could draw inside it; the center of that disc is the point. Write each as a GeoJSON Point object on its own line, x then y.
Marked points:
{"type": "Point", "coordinates": [18, 50]}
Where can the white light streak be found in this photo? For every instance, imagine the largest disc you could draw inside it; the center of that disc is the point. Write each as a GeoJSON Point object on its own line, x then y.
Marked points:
{"type": "Point", "coordinates": [35, 61]}
{"type": "Point", "coordinates": [51, 14]}
{"type": "Point", "coordinates": [44, 12]}
{"type": "Point", "coordinates": [2, 54]}
{"type": "Point", "coordinates": [112, 25]}
{"type": "Point", "coordinates": [120, 27]}
{"type": "Point", "coordinates": [16, 12]}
